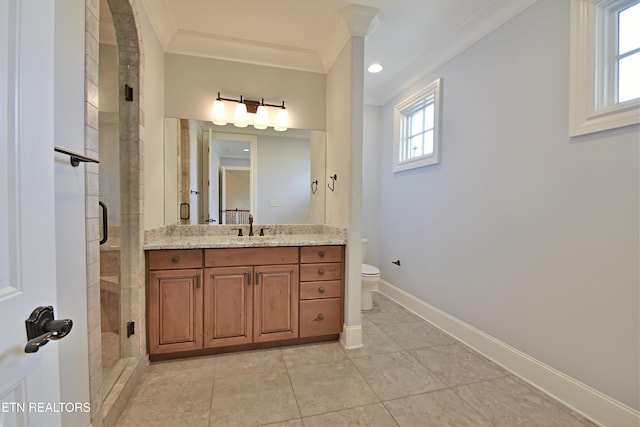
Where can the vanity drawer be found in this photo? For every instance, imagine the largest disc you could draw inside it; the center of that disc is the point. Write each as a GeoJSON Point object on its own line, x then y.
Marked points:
{"type": "Point", "coordinates": [174, 259]}
{"type": "Point", "coordinates": [320, 317]}
{"type": "Point", "coordinates": [237, 257]}
{"type": "Point", "coordinates": [328, 289]}
{"type": "Point", "coordinates": [313, 254]}
{"type": "Point", "coordinates": [325, 271]}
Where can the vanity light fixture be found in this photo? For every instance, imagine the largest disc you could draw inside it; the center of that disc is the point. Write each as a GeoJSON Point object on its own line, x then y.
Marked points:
{"type": "Point", "coordinates": [249, 112]}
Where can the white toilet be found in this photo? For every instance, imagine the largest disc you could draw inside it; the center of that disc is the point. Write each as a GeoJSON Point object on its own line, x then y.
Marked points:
{"type": "Point", "coordinates": [369, 279]}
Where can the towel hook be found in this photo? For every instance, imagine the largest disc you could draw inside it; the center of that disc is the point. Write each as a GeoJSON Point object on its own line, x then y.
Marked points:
{"type": "Point", "coordinates": [334, 178]}
{"type": "Point", "coordinates": [314, 186]}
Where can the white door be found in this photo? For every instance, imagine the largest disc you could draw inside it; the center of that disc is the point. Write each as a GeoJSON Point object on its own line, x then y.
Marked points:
{"type": "Point", "coordinates": [29, 383]}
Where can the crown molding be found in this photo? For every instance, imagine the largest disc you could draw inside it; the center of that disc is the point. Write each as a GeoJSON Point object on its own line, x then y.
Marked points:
{"type": "Point", "coordinates": [159, 15]}
{"type": "Point", "coordinates": [240, 50]}
{"type": "Point", "coordinates": [360, 19]}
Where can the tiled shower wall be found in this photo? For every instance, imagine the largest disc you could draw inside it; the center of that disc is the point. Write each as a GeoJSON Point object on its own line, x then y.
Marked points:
{"type": "Point", "coordinates": [125, 13]}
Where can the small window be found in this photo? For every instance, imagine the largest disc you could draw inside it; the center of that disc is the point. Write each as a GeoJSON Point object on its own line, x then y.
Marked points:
{"type": "Point", "coordinates": [628, 54]}
{"type": "Point", "coordinates": [416, 129]}
{"type": "Point", "coordinates": [605, 65]}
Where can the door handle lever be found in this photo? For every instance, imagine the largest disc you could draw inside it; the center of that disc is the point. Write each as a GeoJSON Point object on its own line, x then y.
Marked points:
{"type": "Point", "coordinates": [41, 327]}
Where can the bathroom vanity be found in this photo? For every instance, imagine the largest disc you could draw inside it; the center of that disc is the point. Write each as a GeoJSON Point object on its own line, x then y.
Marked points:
{"type": "Point", "coordinates": [210, 291]}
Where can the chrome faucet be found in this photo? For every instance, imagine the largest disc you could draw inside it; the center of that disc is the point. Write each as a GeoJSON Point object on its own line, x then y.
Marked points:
{"type": "Point", "coordinates": [250, 225]}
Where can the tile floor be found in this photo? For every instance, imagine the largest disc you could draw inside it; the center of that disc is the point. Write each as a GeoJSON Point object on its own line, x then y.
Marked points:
{"type": "Point", "coordinates": [407, 374]}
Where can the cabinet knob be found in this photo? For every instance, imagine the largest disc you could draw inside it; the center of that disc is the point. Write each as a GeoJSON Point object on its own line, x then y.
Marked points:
{"type": "Point", "coordinates": [175, 259]}
{"type": "Point", "coordinates": [319, 317]}
{"type": "Point", "coordinates": [321, 253]}
{"type": "Point", "coordinates": [321, 272]}
{"type": "Point", "coordinates": [321, 290]}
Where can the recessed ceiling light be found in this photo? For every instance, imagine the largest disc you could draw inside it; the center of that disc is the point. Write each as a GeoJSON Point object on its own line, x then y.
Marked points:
{"type": "Point", "coordinates": [374, 68]}
{"type": "Point", "coordinates": [245, 149]}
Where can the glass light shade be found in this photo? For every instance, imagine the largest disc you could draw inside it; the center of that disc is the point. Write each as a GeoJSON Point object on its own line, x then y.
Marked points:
{"type": "Point", "coordinates": [219, 113]}
{"type": "Point", "coordinates": [241, 118]}
{"type": "Point", "coordinates": [262, 118]}
{"type": "Point", "coordinates": [282, 120]}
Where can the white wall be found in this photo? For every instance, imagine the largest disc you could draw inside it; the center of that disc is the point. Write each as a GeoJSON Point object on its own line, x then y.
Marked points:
{"type": "Point", "coordinates": [371, 184]}
{"type": "Point", "coordinates": [521, 231]}
{"type": "Point", "coordinates": [284, 175]}
{"type": "Point", "coordinates": [192, 84]}
{"type": "Point", "coordinates": [318, 148]}
{"type": "Point", "coordinates": [152, 122]}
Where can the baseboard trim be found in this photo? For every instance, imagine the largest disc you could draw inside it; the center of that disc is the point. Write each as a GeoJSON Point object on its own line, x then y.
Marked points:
{"type": "Point", "coordinates": [585, 400]}
{"type": "Point", "coordinates": [351, 337]}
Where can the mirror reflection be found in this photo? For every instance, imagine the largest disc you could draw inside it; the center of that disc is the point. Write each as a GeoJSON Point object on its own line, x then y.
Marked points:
{"type": "Point", "coordinates": [224, 173]}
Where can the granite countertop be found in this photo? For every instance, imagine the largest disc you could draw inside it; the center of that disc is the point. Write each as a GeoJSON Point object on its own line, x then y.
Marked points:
{"type": "Point", "coordinates": [226, 236]}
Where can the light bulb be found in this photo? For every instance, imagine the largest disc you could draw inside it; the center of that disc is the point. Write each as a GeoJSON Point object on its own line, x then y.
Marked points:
{"type": "Point", "coordinates": [262, 118]}
{"type": "Point", "coordinates": [219, 113]}
{"type": "Point", "coordinates": [282, 120]}
{"type": "Point", "coordinates": [241, 118]}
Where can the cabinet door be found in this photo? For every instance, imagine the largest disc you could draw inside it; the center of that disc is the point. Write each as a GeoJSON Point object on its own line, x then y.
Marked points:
{"type": "Point", "coordinates": [228, 306]}
{"type": "Point", "coordinates": [175, 310]}
{"type": "Point", "coordinates": [276, 302]}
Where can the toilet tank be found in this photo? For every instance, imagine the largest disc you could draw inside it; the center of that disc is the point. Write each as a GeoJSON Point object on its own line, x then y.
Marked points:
{"type": "Point", "coordinates": [364, 248]}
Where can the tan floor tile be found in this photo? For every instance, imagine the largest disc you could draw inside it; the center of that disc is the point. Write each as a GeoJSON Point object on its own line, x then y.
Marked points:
{"type": "Point", "coordinates": [374, 342]}
{"type": "Point", "coordinates": [387, 313]}
{"type": "Point", "coordinates": [367, 416]}
{"type": "Point", "coordinates": [313, 353]}
{"type": "Point", "coordinates": [168, 407]}
{"type": "Point", "coordinates": [327, 387]}
{"type": "Point", "coordinates": [290, 423]}
{"type": "Point", "coordinates": [510, 402]}
{"type": "Point", "coordinates": [412, 335]}
{"type": "Point", "coordinates": [395, 375]}
{"type": "Point", "coordinates": [253, 399]}
{"type": "Point", "coordinates": [437, 408]}
{"type": "Point", "coordinates": [250, 362]}
{"type": "Point", "coordinates": [455, 364]}
{"type": "Point", "coordinates": [160, 386]}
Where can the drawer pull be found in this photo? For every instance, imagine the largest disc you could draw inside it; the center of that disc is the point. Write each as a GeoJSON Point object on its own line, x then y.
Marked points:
{"type": "Point", "coordinates": [175, 259]}
{"type": "Point", "coordinates": [321, 290]}
{"type": "Point", "coordinates": [319, 317]}
{"type": "Point", "coordinates": [321, 272]}
{"type": "Point", "coordinates": [321, 253]}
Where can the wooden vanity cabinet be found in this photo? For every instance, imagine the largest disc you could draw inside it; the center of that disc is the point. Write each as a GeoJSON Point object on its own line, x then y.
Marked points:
{"type": "Point", "coordinates": [250, 304]}
{"type": "Point", "coordinates": [201, 300]}
{"type": "Point", "coordinates": [253, 299]}
{"type": "Point", "coordinates": [321, 290]}
{"type": "Point", "coordinates": [174, 310]}
{"type": "Point", "coordinates": [228, 306]}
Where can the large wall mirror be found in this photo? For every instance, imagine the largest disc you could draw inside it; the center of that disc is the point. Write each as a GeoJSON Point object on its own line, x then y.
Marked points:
{"type": "Point", "coordinates": [221, 174]}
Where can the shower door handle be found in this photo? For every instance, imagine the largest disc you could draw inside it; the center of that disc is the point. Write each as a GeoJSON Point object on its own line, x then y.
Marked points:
{"type": "Point", "coordinates": [105, 232]}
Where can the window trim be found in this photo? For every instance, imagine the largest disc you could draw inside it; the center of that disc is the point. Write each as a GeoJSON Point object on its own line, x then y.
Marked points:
{"type": "Point", "coordinates": [435, 90]}
{"type": "Point", "coordinates": [591, 105]}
